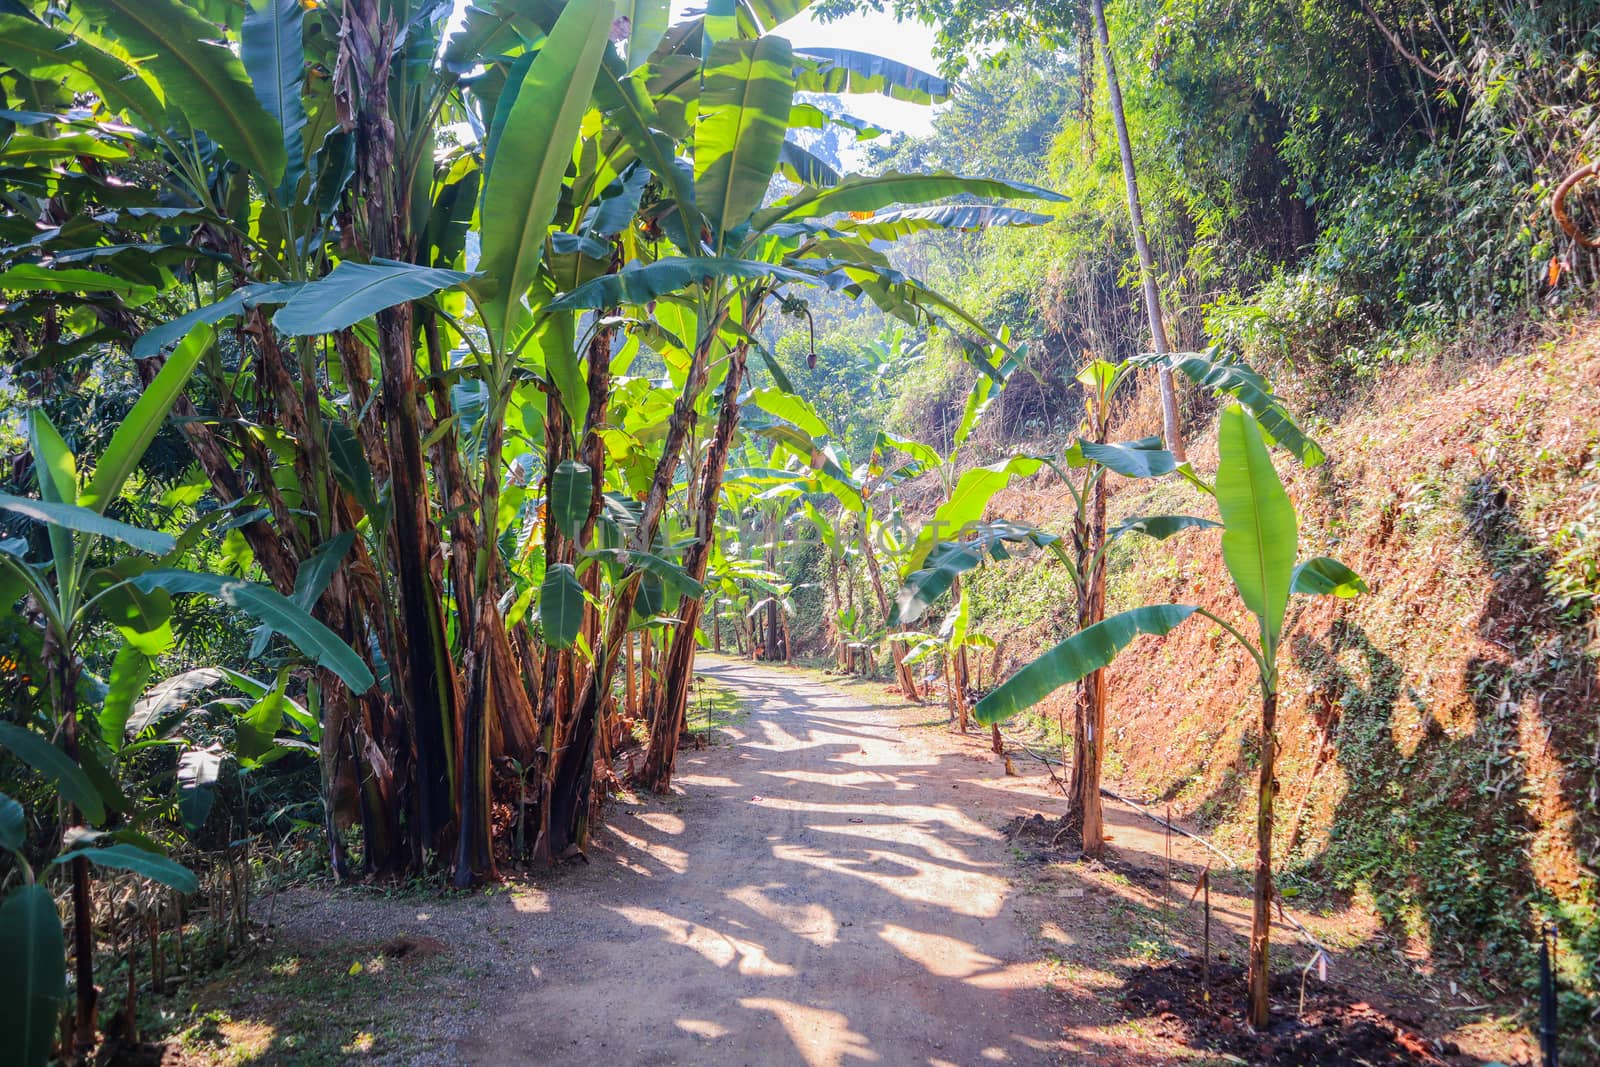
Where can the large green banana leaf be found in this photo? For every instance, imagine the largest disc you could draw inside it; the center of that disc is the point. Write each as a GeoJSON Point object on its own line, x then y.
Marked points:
{"type": "Point", "coordinates": [755, 17]}
{"type": "Point", "coordinates": [630, 108]}
{"type": "Point", "coordinates": [951, 559]}
{"type": "Point", "coordinates": [73, 785]}
{"type": "Point", "coordinates": [1144, 458]}
{"type": "Point", "coordinates": [1230, 376]}
{"type": "Point", "coordinates": [1078, 656]}
{"type": "Point", "coordinates": [739, 128]}
{"type": "Point", "coordinates": [793, 409]}
{"type": "Point", "coordinates": [1260, 535]}
{"type": "Point", "coordinates": [1323, 576]}
{"type": "Point", "coordinates": [1161, 527]}
{"type": "Point", "coordinates": [803, 168]}
{"type": "Point", "coordinates": [532, 152]}
{"type": "Point", "coordinates": [241, 299]}
{"type": "Point", "coordinates": [272, 48]}
{"type": "Point", "coordinates": [56, 469]}
{"type": "Point", "coordinates": [44, 53]}
{"type": "Point", "coordinates": [123, 856]}
{"type": "Point", "coordinates": [33, 974]}
{"type": "Point", "coordinates": [311, 580]}
{"type": "Point", "coordinates": [871, 192]}
{"type": "Point", "coordinates": [571, 491]}
{"type": "Point", "coordinates": [891, 225]}
{"type": "Point", "coordinates": [267, 605]}
{"type": "Point", "coordinates": [912, 302]}
{"type": "Point", "coordinates": [839, 70]}
{"type": "Point", "coordinates": [491, 29]}
{"type": "Point", "coordinates": [647, 24]}
{"type": "Point", "coordinates": [202, 79]}
{"type": "Point", "coordinates": [61, 515]}
{"type": "Point", "coordinates": [967, 503]}
{"type": "Point", "coordinates": [561, 603]}
{"type": "Point", "coordinates": [139, 428]}
{"type": "Point", "coordinates": [130, 671]}
{"type": "Point", "coordinates": [355, 291]}
{"type": "Point", "coordinates": [644, 284]}
{"type": "Point", "coordinates": [33, 277]}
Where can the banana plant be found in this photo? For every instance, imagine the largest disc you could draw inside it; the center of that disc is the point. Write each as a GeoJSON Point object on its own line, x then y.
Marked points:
{"type": "Point", "coordinates": [964, 498]}
{"type": "Point", "coordinates": [78, 587]}
{"type": "Point", "coordinates": [1260, 537]}
{"type": "Point", "coordinates": [842, 616]}
{"type": "Point", "coordinates": [946, 551]}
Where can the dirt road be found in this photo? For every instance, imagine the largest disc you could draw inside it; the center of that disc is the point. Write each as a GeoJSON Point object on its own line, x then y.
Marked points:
{"type": "Point", "coordinates": [825, 887]}
{"type": "Point", "coordinates": [828, 889]}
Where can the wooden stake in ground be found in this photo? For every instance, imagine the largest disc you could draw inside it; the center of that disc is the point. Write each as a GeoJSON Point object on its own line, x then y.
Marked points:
{"type": "Point", "coordinates": [1205, 933]}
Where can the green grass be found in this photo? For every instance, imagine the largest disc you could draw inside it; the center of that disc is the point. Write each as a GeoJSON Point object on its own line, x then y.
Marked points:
{"type": "Point", "coordinates": [713, 707]}
{"type": "Point", "coordinates": [333, 1004]}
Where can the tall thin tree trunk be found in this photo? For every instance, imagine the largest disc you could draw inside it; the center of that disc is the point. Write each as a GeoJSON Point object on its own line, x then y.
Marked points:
{"type": "Point", "coordinates": [773, 637]}
{"type": "Point", "coordinates": [1261, 911]}
{"type": "Point", "coordinates": [647, 661]}
{"type": "Point", "coordinates": [1171, 430]}
{"type": "Point", "coordinates": [1090, 742]}
{"type": "Point", "coordinates": [953, 711]}
{"type": "Point", "coordinates": [850, 654]}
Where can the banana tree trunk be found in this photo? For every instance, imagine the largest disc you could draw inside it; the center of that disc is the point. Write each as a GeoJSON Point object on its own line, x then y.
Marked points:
{"type": "Point", "coordinates": [515, 729]}
{"type": "Point", "coordinates": [630, 698]}
{"type": "Point", "coordinates": [774, 638]}
{"type": "Point", "coordinates": [1088, 758]}
{"type": "Point", "coordinates": [626, 591]}
{"type": "Point", "coordinates": [474, 859]}
{"type": "Point", "coordinates": [903, 676]}
{"type": "Point", "coordinates": [571, 774]}
{"type": "Point", "coordinates": [62, 670]}
{"type": "Point", "coordinates": [679, 674]}
{"type": "Point", "coordinates": [1172, 430]}
{"type": "Point", "coordinates": [1088, 740]}
{"type": "Point", "coordinates": [647, 666]}
{"type": "Point", "coordinates": [953, 710]}
{"type": "Point", "coordinates": [1261, 911]}
{"type": "Point", "coordinates": [841, 658]}
{"type": "Point", "coordinates": [428, 681]}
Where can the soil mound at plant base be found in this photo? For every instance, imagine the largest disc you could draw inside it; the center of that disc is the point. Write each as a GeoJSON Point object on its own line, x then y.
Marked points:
{"type": "Point", "coordinates": [1334, 1030]}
